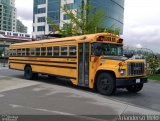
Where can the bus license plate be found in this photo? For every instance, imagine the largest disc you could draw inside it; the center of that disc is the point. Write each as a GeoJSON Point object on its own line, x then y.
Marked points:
{"type": "Point", "coordinates": [138, 80]}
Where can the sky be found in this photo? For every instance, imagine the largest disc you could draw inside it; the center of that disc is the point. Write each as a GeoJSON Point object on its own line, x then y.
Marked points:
{"type": "Point", "coordinates": [141, 22]}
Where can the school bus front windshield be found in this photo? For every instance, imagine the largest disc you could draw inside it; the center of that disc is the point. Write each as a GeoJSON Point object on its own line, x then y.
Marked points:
{"type": "Point", "coordinates": [107, 49]}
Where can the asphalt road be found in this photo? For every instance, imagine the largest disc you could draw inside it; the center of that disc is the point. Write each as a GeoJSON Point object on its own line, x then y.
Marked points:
{"type": "Point", "coordinates": [149, 97]}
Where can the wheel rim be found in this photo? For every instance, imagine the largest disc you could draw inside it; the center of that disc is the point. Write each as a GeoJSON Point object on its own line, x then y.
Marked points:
{"type": "Point", "coordinates": [105, 84]}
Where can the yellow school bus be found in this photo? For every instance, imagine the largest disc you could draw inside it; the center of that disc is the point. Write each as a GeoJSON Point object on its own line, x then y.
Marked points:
{"type": "Point", "coordinates": [95, 61]}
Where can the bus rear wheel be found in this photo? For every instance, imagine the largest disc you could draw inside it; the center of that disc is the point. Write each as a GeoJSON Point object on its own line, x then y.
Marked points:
{"type": "Point", "coordinates": [106, 84]}
{"type": "Point", "coordinates": [28, 74]}
{"type": "Point", "coordinates": [135, 88]}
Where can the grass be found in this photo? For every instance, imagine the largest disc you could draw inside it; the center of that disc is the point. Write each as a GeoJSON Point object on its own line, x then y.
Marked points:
{"type": "Point", "coordinates": [154, 77]}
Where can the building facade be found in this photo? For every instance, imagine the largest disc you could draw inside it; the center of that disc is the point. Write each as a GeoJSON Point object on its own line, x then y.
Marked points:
{"type": "Point", "coordinates": [21, 27]}
{"type": "Point", "coordinates": [51, 9]}
{"type": "Point", "coordinates": [7, 15]}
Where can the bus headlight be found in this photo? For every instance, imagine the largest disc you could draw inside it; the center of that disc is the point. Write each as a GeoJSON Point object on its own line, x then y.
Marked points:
{"type": "Point", "coordinates": [122, 72]}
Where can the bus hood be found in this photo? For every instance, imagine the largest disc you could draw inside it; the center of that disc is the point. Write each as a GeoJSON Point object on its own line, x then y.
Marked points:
{"type": "Point", "coordinates": [118, 58]}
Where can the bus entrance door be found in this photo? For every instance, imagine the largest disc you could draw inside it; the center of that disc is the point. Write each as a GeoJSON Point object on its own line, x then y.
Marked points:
{"type": "Point", "coordinates": [83, 64]}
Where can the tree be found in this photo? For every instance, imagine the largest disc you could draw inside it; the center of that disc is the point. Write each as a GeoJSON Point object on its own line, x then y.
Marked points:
{"type": "Point", "coordinates": [153, 64]}
{"type": "Point", "coordinates": [86, 20]}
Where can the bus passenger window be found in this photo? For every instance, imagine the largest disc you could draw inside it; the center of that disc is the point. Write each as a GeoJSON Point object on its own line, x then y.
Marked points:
{"type": "Point", "coordinates": [23, 52]}
{"type": "Point", "coordinates": [56, 51]}
{"type": "Point", "coordinates": [18, 52]}
{"type": "Point", "coordinates": [72, 51]}
{"type": "Point", "coordinates": [32, 51]}
{"type": "Point", "coordinates": [63, 51]}
{"type": "Point", "coordinates": [27, 52]}
{"type": "Point", "coordinates": [43, 51]}
{"type": "Point", "coordinates": [49, 51]}
{"type": "Point", "coordinates": [37, 51]}
{"type": "Point", "coordinates": [10, 52]}
{"type": "Point", "coordinates": [14, 52]}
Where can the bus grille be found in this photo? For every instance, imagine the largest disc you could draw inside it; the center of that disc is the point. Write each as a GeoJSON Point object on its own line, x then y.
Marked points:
{"type": "Point", "coordinates": [135, 69]}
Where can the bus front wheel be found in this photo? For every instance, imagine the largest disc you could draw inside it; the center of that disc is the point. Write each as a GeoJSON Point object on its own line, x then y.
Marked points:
{"type": "Point", "coordinates": [106, 84]}
{"type": "Point", "coordinates": [135, 88]}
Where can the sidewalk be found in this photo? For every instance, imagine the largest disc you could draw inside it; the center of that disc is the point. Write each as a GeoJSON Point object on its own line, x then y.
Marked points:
{"type": "Point", "coordinates": [61, 95]}
{"type": "Point", "coordinates": [2, 66]}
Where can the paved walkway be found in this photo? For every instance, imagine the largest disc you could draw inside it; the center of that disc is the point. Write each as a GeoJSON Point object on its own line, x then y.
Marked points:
{"type": "Point", "coordinates": [20, 96]}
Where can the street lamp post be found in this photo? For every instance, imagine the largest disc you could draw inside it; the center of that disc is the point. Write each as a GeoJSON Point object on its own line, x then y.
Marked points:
{"type": "Point", "coordinates": [4, 53]}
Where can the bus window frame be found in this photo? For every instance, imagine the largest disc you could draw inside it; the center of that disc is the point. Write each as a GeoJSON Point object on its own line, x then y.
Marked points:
{"type": "Point", "coordinates": [43, 52]}
{"type": "Point", "coordinates": [57, 52]}
{"type": "Point", "coordinates": [65, 52]}
{"type": "Point", "coordinates": [23, 51]}
{"type": "Point", "coordinates": [39, 51]}
{"type": "Point", "coordinates": [32, 54]}
{"type": "Point", "coordinates": [48, 54]}
{"type": "Point", "coordinates": [69, 52]}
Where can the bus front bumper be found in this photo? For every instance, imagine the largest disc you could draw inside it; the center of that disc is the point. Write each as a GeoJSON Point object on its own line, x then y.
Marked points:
{"type": "Point", "coordinates": [123, 82]}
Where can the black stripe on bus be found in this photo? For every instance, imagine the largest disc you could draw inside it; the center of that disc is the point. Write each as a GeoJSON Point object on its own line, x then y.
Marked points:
{"type": "Point", "coordinates": [46, 56]}
{"type": "Point", "coordinates": [48, 74]}
{"type": "Point", "coordinates": [44, 61]}
{"type": "Point", "coordinates": [47, 65]}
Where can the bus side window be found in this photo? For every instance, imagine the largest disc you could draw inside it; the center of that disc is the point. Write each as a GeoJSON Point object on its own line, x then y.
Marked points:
{"type": "Point", "coordinates": [72, 50]}
{"type": "Point", "coordinates": [49, 51]}
{"type": "Point", "coordinates": [10, 52]}
{"type": "Point", "coordinates": [27, 51]}
{"type": "Point", "coordinates": [43, 51]}
{"type": "Point", "coordinates": [37, 51]}
{"type": "Point", "coordinates": [56, 51]}
{"type": "Point", "coordinates": [32, 51]}
{"type": "Point", "coordinates": [18, 52]}
{"type": "Point", "coordinates": [63, 51]}
{"type": "Point", "coordinates": [14, 52]}
{"type": "Point", "coordinates": [23, 52]}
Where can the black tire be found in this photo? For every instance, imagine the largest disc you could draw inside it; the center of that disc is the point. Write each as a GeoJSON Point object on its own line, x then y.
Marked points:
{"type": "Point", "coordinates": [135, 88]}
{"type": "Point", "coordinates": [105, 84]}
{"type": "Point", "coordinates": [28, 73]}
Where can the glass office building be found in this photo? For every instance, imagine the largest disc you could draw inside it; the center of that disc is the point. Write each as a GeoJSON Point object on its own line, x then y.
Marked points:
{"type": "Point", "coordinates": [51, 9]}
{"type": "Point", "coordinates": [7, 15]}
{"type": "Point", "coordinates": [114, 10]}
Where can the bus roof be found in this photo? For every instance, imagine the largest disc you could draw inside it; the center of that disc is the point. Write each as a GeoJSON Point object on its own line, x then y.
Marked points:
{"type": "Point", "coordinates": [90, 37]}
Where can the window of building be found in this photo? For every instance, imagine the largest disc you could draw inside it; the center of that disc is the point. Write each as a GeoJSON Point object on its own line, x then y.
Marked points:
{"type": "Point", "coordinates": [37, 51]}
{"type": "Point", "coordinates": [69, 6]}
{"type": "Point", "coordinates": [8, 33]}
{"type": "Point", "coordinates": [41, 10]}
{"type": "Point", "coordinates": [43, 51]}
{"type": "Point", "coordinates": [41, 2]}
{"type": "Point", "coordinates": [72, 50]}
{"type": "Point", "coordinates": [41, 19]}
{"type": "Point", "coordinates": [3, 33]}
{"type": "Point", "coordinates": [49, 51]}
{"type": "Point", "coordinates": [26, 35]}
{"type": "Point", "coordinates": [65, 17]}
{"type": "Point", "coordinates": [63, 51]}
{"type": "Point", "coordinates": [56, 51]}
{"type": "Point", "coordinates": [15, 34]}
{"type": "Point", "coordinates": [41, 28]}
